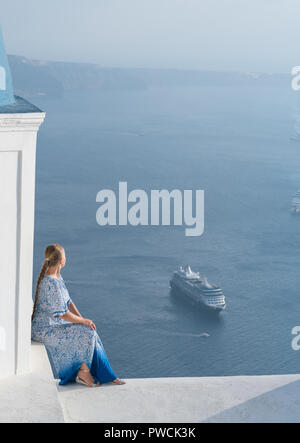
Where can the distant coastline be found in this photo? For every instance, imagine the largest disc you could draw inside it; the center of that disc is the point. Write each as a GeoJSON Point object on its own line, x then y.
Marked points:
{"type": "Point", "coordinates": [34, 78]}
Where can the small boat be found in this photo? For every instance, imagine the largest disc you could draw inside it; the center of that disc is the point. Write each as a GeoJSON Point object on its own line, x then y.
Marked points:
{"type": "Point", "coordinates": [295, 206]}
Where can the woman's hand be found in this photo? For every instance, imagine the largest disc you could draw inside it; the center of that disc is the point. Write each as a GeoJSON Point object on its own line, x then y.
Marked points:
{"type": "Point", "coordinates": [72, 318]}
{"type": "Point", "coordinates": [89, 323]}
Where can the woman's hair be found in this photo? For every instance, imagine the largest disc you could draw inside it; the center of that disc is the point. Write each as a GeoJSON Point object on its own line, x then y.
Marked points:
{"type": "Point", "coordinates": [53, 255]}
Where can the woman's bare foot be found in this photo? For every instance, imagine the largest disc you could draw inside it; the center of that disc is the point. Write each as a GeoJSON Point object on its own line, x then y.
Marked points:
{"type": "Point", "coordinates": [117, 381]}
{"type": "Point", "coordinates": [85, 375]}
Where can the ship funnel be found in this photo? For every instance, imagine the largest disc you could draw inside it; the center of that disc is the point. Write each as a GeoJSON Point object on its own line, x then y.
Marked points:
{"type": "Point", "coordinates": [191, 274]}
{"type": "Point", "coordinates": [205, 283]}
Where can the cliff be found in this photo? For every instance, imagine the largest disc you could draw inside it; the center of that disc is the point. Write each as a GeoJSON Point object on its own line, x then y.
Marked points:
{"type": "Point", "coordinates": [45, 78]}
{"type": "Point", "coordinates": [42, 78]}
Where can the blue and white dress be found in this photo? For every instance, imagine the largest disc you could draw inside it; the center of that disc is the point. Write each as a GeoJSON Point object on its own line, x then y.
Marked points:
{"type": "Point", "coordinates": [68, 344]}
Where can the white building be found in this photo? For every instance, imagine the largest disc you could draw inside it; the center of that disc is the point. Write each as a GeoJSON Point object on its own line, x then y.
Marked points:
{"type": "Point", "coordinates": [19, 124]}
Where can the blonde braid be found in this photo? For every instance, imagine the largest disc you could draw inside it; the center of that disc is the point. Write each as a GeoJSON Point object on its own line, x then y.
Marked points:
{"type": "Point", "coordinates": [53, 255]}
{"type": "Point", "coordinates": [41, 276]}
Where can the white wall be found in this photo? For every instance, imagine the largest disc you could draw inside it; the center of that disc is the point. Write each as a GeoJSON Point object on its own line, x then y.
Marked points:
{"type": "Point", "coordinates": [17, 190]}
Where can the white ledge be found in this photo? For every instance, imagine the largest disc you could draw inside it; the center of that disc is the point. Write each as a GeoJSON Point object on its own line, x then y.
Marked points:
{"type": "Point", "coordinates": [21, 122]}
{"type": "Point", "coordinates": [31, 398]}
{"type": "Point", "coordinates": [36, 398]}
{"type": "Point", "coordinates": [186, 400]}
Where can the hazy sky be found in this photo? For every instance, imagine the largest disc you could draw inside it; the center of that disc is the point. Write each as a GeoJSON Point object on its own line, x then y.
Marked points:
{"type": "Point", "coordinates": [252, 35]}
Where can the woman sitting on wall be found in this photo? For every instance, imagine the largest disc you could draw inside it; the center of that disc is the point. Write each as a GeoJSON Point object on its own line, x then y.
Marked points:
{"type": "Point", "coordinates": [71, 340]}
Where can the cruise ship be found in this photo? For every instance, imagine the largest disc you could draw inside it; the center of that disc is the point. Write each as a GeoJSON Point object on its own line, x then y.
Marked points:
{"type": "Point", "coordinates": [198, 290]}
{"type": "Point", "coordinates": [296, 202]}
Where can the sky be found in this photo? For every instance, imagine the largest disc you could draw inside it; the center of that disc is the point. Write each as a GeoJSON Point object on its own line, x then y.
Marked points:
{"type": "Point", "coordinates": [221, 35]}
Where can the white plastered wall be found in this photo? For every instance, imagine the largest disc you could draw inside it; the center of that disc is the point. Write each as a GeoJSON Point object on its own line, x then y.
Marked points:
{"type": "Point", "coordinates": [18, 135]}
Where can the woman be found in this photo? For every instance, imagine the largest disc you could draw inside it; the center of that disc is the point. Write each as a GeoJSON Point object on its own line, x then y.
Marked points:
{"type": "Point", "coordinates": [71, 340]}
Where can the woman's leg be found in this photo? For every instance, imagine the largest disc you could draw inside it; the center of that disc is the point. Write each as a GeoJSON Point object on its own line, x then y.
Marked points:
{"type": "Point", "coordinates": [69, 346]}
{"type": "Point", "coordinates": [85, 375]}
{"type": "Point", "coordinates": [101, 368]}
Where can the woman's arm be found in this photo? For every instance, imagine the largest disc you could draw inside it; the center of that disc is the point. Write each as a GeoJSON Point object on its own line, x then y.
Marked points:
{"type": "Point", "coordinates": [74, 310]}
{"type": "Point", "coordinates": [57, 306]}
{"type": "Point", "coordinates": [73, 318]}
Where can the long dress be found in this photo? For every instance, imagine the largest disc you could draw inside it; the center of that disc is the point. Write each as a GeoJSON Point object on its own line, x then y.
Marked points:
{"type": "Point", "coordinates": [68, 344]}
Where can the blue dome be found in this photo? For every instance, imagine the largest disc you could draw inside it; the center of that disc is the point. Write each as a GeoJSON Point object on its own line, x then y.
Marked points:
{"type": "Point", "coordinates": [6, 87]}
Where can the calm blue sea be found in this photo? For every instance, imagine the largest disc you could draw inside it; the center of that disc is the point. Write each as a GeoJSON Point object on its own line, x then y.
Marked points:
{"type": "Point", "coordinates": [234, 143]}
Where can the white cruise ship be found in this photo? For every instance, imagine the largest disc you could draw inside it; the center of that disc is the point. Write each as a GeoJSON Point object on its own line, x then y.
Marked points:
{"type": "Point", "coordinates": [197, 289]}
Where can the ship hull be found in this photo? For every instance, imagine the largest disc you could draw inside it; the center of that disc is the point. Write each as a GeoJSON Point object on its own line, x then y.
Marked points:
{"type": "Point", "coordinates": [184, 289]}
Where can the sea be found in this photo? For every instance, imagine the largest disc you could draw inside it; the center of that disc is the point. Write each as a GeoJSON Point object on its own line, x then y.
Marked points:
{"type": "Point", "coordinates": [231, 141]}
